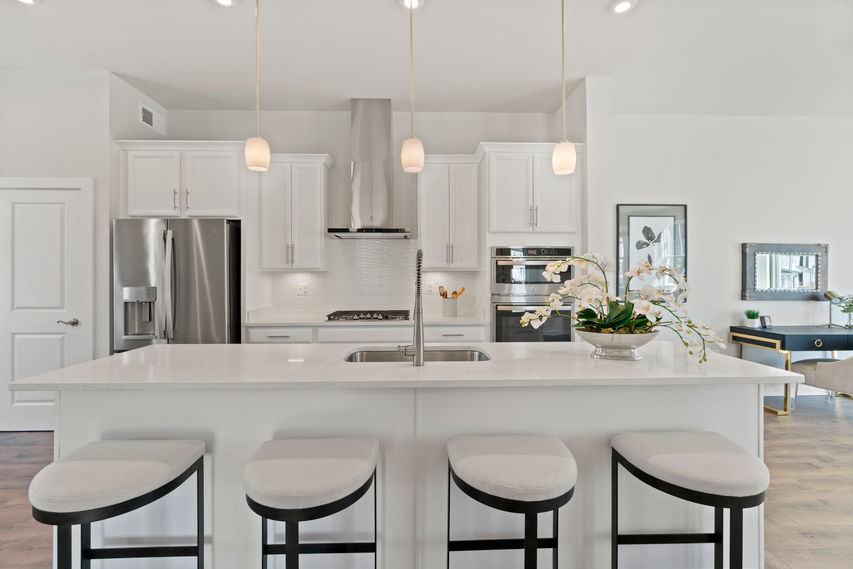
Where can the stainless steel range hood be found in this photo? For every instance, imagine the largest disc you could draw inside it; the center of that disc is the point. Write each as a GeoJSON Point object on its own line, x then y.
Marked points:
{"type": "Point", "coordinates": [372, 170]}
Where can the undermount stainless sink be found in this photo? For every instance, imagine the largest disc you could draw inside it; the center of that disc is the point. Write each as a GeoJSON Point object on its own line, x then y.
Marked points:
{"type": "Point", "coordinates": [393, 355]}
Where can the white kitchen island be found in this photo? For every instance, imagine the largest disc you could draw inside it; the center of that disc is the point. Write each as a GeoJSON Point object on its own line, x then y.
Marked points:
{"type": "Point", "coordinates": [237, 396]}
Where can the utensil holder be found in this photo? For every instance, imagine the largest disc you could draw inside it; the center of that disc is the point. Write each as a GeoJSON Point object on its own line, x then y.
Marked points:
{"type": "Point", "coordinates": [449, 306]}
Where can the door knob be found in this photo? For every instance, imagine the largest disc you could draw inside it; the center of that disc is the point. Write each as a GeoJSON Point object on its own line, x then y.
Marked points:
{"type": "Point", "coordinates": [72, 322]}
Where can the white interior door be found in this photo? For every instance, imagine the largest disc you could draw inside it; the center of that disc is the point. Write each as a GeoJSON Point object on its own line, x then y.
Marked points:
{"type": "Point", "coordinates": [46, 278]}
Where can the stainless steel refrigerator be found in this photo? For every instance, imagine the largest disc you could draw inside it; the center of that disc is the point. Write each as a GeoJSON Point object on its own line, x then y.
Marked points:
{"type": "Point", "coordinates": [175, 281]}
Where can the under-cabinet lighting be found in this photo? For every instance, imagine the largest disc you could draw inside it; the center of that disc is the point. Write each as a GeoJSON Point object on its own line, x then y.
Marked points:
{"type": "Point", "coordinates": [296, 360]}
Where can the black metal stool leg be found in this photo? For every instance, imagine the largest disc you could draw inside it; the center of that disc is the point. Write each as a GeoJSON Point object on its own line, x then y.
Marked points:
{"type": "Point", "coordinates": [63, 547]}
{"type": "Point", "coordinates": [530, 540]}
{"type": "Point", "coordinates": [448, 516]}
{"type": "Point", "coordinates": [264, 542]}
{"type": "Point", "coordinates": [718, 538]}
{"type": "Point", "coordinates": [614, 511]}
{"type": "Point", "coordinates": [199, 515]}
{"type": "Point", "coordinates": [85, 545]}
{"type": "Point", "coordinates": [291, 545]}
{"type": "Point", "coordinates": [736, 538]}
{"type": "Point", "coordinates": [556, 515]}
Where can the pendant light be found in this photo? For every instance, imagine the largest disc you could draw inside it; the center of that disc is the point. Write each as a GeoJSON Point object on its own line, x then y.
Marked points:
{"type": "Point", "coordinates": [412, 154]}
{"type": "Point", "coordinates": [564, 158]}
{"type": "Point", "coordinates": [257, 149]}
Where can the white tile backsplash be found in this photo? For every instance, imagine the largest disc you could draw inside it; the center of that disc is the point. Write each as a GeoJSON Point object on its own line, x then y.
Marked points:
{"type": "Point", "coordinates": [370, 274]}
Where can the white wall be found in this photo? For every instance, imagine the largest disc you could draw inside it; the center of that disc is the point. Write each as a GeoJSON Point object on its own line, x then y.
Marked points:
{"type": "Point", "coordinates": [743, 178]}
{"type": "Point", "coordinates": [54, 124]}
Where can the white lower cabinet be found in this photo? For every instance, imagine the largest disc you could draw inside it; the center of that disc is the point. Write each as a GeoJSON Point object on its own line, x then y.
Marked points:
{"type": "Point", "coordinates": [363, 334]}
{"type": "Point", "coordinates": [293, 212]}
{"type": "Point", "coordinates": [280, 335]}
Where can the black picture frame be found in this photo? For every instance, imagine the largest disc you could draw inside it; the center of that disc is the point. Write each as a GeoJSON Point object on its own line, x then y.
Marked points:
{"type": "Point", "coordinates": [633, 217]}
{"type": "Point", "coordinates": [766, 322]}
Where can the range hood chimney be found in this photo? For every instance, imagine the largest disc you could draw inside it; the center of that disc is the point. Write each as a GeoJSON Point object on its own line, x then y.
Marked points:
{"type": "Point", "coordinates": [372, 170]}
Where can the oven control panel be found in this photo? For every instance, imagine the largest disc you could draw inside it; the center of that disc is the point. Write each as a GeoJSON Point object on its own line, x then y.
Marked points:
{"type": "Point", "coordinates": [532, 252]}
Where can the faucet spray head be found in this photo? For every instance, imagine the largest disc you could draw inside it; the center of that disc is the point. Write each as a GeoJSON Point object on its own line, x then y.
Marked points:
{"type": "Point", "coordinates": [419, 262]}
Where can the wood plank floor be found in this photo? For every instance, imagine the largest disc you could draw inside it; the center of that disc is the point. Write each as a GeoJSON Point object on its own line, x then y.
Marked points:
{"type": "Point", "coordinates": [809, 508]}
{"type": "Point", "coordinates": [24, 543]}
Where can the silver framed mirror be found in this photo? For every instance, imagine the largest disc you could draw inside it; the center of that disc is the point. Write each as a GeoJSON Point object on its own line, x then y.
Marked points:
{"type": "Point", "coordinates": [784, 271]}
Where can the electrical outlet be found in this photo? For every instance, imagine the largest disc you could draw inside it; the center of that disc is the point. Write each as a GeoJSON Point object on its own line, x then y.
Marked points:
{"type": "Point", "coordinates": [430, 288]}
{"type": "Point", "coordinates": [301, 289]}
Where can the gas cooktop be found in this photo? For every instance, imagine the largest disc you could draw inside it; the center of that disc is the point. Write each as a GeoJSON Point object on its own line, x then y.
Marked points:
{"type": "Point", "coordinates": [340, 315]}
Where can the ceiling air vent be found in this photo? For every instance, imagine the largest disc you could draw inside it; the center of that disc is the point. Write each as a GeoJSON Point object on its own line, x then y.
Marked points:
{"type": "Point", "coordinates": [152, 119]}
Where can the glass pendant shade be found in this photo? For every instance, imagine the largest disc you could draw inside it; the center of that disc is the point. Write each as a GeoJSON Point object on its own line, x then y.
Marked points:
{"type": "Point", "coordinates": [564, 158]}
{"type": "Point", "coordinates": [257, 154]}
{"type": "Point", "coordinates": [412, 155]}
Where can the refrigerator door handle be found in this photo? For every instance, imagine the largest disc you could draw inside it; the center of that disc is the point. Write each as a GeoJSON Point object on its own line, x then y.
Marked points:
{"type": "Point", "coordinates": [168, 290]}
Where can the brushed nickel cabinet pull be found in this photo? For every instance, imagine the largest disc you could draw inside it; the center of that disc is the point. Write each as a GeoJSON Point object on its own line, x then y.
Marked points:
{"type": "Point", "coordinates": [452, 335]}
{"type": "Point", "coordinates": [187, 200]}
{"type": "Point", "coordinates": [175, 199]}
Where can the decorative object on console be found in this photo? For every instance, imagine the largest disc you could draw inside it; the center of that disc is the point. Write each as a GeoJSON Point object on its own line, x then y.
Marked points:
{"type": "Point", "coordinates": [834, 299]}
{"type": "Point", "coordinates": [257, 149]}
{"type": "Point", "coordinates": [847, 308]}
{"type": "Point", "coordinates": [751, 318]}
{"type": "Point", "coordinates": [655, 233]}
{"type": "Point", "coordinates": [412, 154]}
{"type": "Point", "coordinates": [766, 322]}
{"type": "Point", "coordinates": [601, 314]}
{"type": "Point", "coordinates": [784, 271]}
{"type": "Point", "coordinates": [564, 158]}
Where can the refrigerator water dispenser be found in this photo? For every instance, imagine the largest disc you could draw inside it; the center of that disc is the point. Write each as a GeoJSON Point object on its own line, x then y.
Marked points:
{"type": "Point", "coordinates": [139, 311]}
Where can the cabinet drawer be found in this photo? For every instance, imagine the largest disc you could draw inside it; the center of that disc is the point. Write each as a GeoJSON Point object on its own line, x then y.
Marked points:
{"type": "Point", "coordinates": [454, 333]}
{"type": "Point", "coordinates": [365, 334]}
{"type": "Point", "coordinates": [283, 335]}
{"type": "Point", "coordinates": [816, 342]}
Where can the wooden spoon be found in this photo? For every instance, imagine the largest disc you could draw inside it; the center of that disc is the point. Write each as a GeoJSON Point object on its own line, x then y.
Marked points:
{"type": "Point", "coordinates": [458, 294]}
{"type": "Point", "coordinates": [442, 292]}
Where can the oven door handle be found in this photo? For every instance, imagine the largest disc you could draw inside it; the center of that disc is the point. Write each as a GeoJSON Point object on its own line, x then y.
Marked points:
{"type": "Point", "coordinates": [516, 308]}
{"type": "Point", "coordinates": [511, 263]}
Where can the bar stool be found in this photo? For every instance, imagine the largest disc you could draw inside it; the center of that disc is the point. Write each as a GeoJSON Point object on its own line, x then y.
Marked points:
{"type": "Point", "coordinates": [296, 480]}
{"type": "Point", "coordinates": [524, 474]}
{"type": "Point", "coordinates": [105, 479]}
{"type": "Point", "coordinates": [700, 467]}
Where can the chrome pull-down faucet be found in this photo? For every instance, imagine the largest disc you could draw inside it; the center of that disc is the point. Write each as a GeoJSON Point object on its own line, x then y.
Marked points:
{"type": "Point", "coordinates": [416, 349]}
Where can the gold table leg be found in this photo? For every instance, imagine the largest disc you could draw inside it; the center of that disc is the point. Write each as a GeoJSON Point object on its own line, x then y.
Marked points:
{"type": "Point", "coordinates": [786, 405]}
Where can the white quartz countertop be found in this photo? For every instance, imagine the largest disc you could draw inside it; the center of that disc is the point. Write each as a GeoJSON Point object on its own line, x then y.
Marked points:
{"type": "Point", "coordinates": [281, 366]}
{"type": "Point", "coordinates": [277, 317]}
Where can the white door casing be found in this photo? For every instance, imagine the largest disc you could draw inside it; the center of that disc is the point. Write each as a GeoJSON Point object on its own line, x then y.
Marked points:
{"type": "Point", "coordinates": [46, 276]}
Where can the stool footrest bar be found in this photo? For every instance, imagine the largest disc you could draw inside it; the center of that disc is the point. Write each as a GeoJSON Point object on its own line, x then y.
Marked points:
{"type": "Point", "coordinates": [141, 552]}
{"type": "Point", "coordinates": [308, 548]}
{"type": "Point", "coordinates": [496, 544]}
{"type": "Point", "coordinates": [666, 538]}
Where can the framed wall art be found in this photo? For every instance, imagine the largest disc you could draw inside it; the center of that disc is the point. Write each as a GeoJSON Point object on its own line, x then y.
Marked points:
{"type": "Point", "coordinates": [656, 233]}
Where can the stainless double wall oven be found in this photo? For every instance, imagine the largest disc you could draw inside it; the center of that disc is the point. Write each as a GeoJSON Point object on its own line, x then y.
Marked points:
{"type": "Point", "coordinates": [518, 286]}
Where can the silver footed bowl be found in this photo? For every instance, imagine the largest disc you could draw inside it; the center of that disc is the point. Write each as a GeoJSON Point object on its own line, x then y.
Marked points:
{"type": "Point", "coordinates": [616, 346]}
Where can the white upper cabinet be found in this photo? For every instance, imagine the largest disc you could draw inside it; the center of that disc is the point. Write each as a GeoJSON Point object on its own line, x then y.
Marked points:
{"type": "Point", "coordinates": [211, 182]}
{"type": "Point", "coordinates": [293, 212]}
{"type": "Point", "coordinates": [510, 191]}
{"type": "Point", "coordinates": [153, 182]}
{"type": "Point", "coordinates": [524, 193]}
{"type": "Point", "coordinates": [164, 178]}
{"type": "Point", "coordinates": [448, 213]}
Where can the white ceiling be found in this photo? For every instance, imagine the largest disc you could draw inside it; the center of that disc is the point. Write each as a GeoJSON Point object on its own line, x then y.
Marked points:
{"type": "Point", "coordinates": [729, 56]}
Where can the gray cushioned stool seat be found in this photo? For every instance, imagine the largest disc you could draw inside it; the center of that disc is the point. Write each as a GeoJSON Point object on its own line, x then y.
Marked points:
{"type": "Point", "coordinates": [291, 474]}
{"type": "Point", "coordinates": [699, 461]}
{"type": "Point", "coordinates": [528, 468]}
{"type": "Point", "coordinates": [107, 473]}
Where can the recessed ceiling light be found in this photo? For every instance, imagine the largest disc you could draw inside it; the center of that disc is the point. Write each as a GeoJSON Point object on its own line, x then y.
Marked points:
{"type": "Point", "coordinates": [622, 6]}
{"type": "Point", "coordinates": [225, 2]}
{"type": "Point", "coordinates": [414, 4]}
